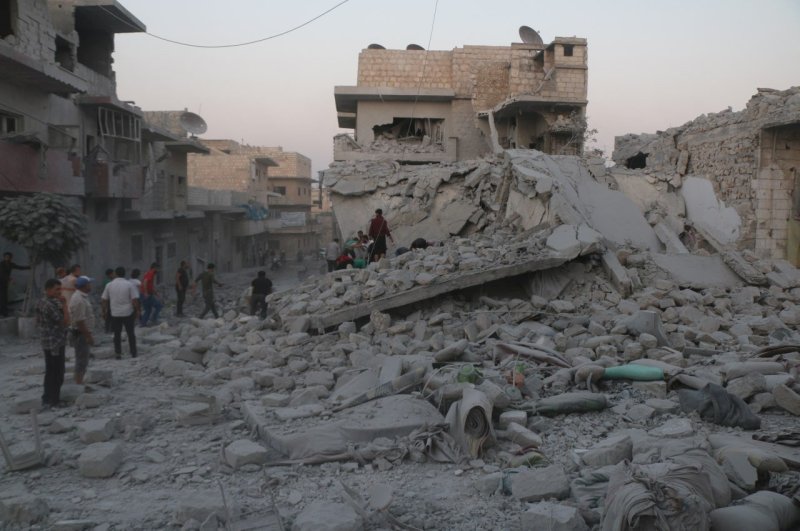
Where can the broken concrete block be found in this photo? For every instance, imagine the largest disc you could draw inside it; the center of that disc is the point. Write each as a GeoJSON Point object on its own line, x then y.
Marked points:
{"type": "Point", "coordinates": [302, 397]}
{"type": "Point", "coordinates": [564, 241]}
{"type": "Point", "coordinates": [319, 378]}
{"type": "Point", "coordinates": [553, 517]}
{"type": "Point", "coordinates": [25, 405]}
{"type": "Point", "coordinates": [275, 400]}
{"type": "Point", "coordinates": [95, 431]}
{"type": "Point", "coordinates": [512, 417]}
{"type": "Point", "coordinates": [747, 386]}
{"type": "Point", "coordinates": [193, 414]}
{"type": "Point", "coordinates": [673, 429]}
{"type": "Point", "coordinates": [787, 399]}
{"type": "Point", "coordinates": [244, 452]}
{"type": "Point", "coordinates": [299, 412]}
{"type": "Point", "coordinates": [662, 406]}
{"type": "Point", "coordinates": [322, 515]}
{"type": "Point", "coordinates": [199, 506]}
{"type": "Point", "coordinates": [22, 510]}
{"type": "Point", "coordinates": [92, 400]}
{"type": "Point", "coordinates": [488, 484]}
{"type": "Point", "coordinates": [540, 484]}
{"type": "Point", "coordinates": [61, 425]}
{"type": "Point", "coordinates": [522, 436]}
{"type": "Point", "coordinates": [609, 451]}
{"type": "Point", "coordinates": [189, 356]}
{"type": "Point", "coordinates": [100, 460]}
{"type": "Point", "coordinates": [656, 389]}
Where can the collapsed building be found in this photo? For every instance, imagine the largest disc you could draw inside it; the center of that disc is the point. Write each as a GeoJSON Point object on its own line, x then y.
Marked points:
{"type": "Point", "coordinates": [749, 157]}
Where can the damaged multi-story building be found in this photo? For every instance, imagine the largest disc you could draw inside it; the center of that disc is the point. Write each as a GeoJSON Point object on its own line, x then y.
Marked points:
{"type": "Point", "coordinates": [269, 188]}
{"type": "Point", "coordinates": [417, 105]}
{"type": "Point", "coordinates": [747, 159]}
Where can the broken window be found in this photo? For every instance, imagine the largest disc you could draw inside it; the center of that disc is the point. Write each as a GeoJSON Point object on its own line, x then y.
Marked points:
{"type": "Point", "coordinates": [10, 123]}
{"type": "Point", "coordinates": [8, 15]}
{"type": "Point", "coordinates": [637, 161]}
{"type": "Point", "coordinates": [412, 130]}
{"type": "Point", "coordinates": [64, 54]}
{"type": "Point", "coordinates": [94, 51]}
{"type": "Point", "coordinates": [568, 50]}
{"type": "Point", "coordinates": [121, 133]}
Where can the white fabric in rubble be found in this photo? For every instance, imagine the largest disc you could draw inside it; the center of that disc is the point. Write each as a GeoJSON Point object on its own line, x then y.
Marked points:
{"type": "Point", "coordinates": [762, 511]}
{"type": "Point", "coordinates": [658, 496]}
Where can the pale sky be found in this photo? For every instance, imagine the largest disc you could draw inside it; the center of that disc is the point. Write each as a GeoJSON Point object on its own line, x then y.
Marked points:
{"type": "Point", "coordinates": [652, 64]}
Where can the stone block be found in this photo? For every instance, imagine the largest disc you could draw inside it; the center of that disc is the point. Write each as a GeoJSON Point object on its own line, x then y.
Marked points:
{"type": "Point", "coordinates": [513, 417]}
{"type": "Point", "coordinates": [96, 431]}
{"type": "Point", "coordinates": [92, 400]}
{"type": "Point", "coordinates": [787, 399]}
{"type": "Point", "coordinates": [661, 405]}
{"type": "Point", "coordinates": [104, 377]}
{"type": "Point", "coordinates": [540, 484]}
{"type": "Point", "coordinates": [22, 510]}
{"type": "Point", "coordinates": [323, 515]}
{"type": "Point", "coordinates": [245, 452]}
{"type": "Point", "coordinates": [100, 460]}
{"type": "Point", "coordinates": [319, 378]}
{"type": "Point", "coordinates": [275, 400]}
{"type": "Point", "coordinates": [24, 405]}
{"type": "Point", "coordinates": [640, 413]}
{"type": "Point", "coordinates": [609, 451]}
{"type": "Point", "coordinates": [747, 386]}
{"type": "Point", "coordinates": [552, 517]}
{"type": "Point", "coordinates": [673, 429]}
{"type": "Point", "coordinates": [522, 436]}
{"type": "Point", "coordinates": [189, 356]}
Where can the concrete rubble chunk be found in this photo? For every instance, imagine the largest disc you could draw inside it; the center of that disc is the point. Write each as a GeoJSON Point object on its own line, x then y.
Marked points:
{"type": "Point", "coordinates": [512, 417]}
{"type": "Point", "coordinates": [94, 431]}
{"type": "Point", "coordinates": [244, 452]}
{"type": "Point", "coordinates": [552, 517]}
{"type": "Point", "coordinates": [22, 510]}
{"type": "Point", "coordinates": [609, 451]}
{"type": "Point", "coordinates": [787, 399]}
{"type": "Point", "coordinates": [322, 515]}
{"type": "Point", "coordinates": [537, 484]}
{"type": "Point", "coordinates": [100, 460]}
{"type": "Point", "coordinates": [199, 506]}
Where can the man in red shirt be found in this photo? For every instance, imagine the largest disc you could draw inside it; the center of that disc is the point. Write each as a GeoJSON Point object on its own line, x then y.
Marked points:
{"type": "Point", "coordinates": [378, 231]}
{"type": "Point", "coordinates": [151, 300]}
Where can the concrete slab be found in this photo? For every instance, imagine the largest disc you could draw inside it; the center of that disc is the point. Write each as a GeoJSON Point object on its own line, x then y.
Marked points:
{"type": "Point", "coordinates": [706, 211]}
{"type": "Point", "coordinates": [698, 272]}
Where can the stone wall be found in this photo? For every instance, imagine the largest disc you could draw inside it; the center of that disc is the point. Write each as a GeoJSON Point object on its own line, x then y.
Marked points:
{"type": "Point", "coordinates": [732, 150]}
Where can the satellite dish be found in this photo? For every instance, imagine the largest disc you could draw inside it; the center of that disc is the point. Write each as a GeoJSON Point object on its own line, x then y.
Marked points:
{"type": "Point", "coordinates": [529, 35]}
{"type": "Point", "coordinates": [376, 47]}
{"type": "Point", "coordinates": [193, 123]}
{"type": "Point", "coordinates": [414, 47]}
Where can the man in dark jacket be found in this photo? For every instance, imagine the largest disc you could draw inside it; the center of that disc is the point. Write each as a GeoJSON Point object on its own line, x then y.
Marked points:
{"type": "Point", "coordinates": [262, 286]}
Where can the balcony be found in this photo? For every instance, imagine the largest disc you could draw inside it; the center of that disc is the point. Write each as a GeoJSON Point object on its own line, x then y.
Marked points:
{"type": "Point", "coordinates": [102, 181]}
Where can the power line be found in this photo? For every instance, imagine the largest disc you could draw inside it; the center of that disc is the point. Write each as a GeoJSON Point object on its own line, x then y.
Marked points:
{"type": "Point", "coordinates": [191, 45]}
{"type": "Point", "coordinates": [424, 65]}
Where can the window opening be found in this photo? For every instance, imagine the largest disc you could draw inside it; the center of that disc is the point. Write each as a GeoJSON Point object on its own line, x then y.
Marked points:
{"type": "Point", "coordinates": [8, 14]}
{"type": "Point", "coordinates": [637, 161]}
{"type": "Point", "coordinates": [568, 50]}
{"type": "Point", "coordinates": [64, 55]}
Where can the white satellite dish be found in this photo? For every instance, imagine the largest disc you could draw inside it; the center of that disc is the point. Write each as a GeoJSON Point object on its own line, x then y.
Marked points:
{"type": "Point", "coordinates": [530, 35]}
{"type": "Point", "coordinates": [193, 123]}
{"type": "Point", "coordinates": [414, 47]}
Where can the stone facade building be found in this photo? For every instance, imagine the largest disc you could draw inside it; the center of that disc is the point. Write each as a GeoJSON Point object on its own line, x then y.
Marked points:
{"type": "Point", "coordinates": [274, 186]}
{"type": "Point", "coordinates": [751, 158]}
{"type": "Point", "coordinates": [433, 106]}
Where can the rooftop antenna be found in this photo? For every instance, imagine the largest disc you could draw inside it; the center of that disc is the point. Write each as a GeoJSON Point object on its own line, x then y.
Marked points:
{"type": "Point", "coordinates": [530, 35]}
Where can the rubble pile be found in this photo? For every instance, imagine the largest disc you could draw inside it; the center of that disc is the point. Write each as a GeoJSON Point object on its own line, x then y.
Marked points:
{"type": "Point", "coordinates": [566, 373]}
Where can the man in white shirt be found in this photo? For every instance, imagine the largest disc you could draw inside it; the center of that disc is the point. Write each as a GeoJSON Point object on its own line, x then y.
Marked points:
{"type": "Point", "coordinates": [332, 252]}
{"type": "Point", "coordinates": [82, 317]}
{"type": "Point", "coordinates": [121, 299]}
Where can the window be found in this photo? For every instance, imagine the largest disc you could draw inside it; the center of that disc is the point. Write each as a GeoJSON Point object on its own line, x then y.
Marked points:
{"type": "Point", "coordinates": [137, 248]}
{"type": "Point", "coordinates": [121, 132]}
{"type": "Point", "coordinates": [64, 54]}
{"type": "Point", "coordinates": [568, 49]}
{"type": "Point", "coordinates": [279, 190]}
{"type": "Point", "coordinates": [299, 190]}
{"type": "Point", "coordinates": [10, 123]}
{"type": "Point", "coordinates": [8, 15]}
{"type": "Point", "coordinates": [172, 249]}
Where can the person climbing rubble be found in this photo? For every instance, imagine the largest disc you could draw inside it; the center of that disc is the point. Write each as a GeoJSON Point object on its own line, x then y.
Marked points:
{"type": "Point", "coordinates": [378, 231]}
{"type": "Point", "coordinates": [207, 279]}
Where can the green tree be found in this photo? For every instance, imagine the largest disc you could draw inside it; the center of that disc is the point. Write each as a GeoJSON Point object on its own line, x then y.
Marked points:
{"type": "Point", "coordinates": [49, 230]}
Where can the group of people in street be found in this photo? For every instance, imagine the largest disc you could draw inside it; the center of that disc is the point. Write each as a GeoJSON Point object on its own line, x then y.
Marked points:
{"type": "Point", "coordinates": [66, 317]}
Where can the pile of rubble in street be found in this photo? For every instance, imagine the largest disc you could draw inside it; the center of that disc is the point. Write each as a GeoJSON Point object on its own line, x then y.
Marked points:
{"type": "Point", "coordinates": [559, 361]}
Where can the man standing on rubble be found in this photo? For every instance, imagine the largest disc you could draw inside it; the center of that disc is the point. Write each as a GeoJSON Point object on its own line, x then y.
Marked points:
{"type": "Point", "coordinates": [207, 281]}
{"type": "Point", "coordinates": [332, 252]}
{"type": "Point", "coordinates": [262, 286]}
{"type": "Point", "coordinates": [378, 231]}
{"type": "Point", "coordinates": [82, 316]}
{"type": "Point", "coordinates": [52, 315]}
{"type": "Point", "coordinates": [151, 300]}
{"type": "Point", "coordinates": [121, 300]}
{"type": "Point", "coordinates": [181, 285]}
